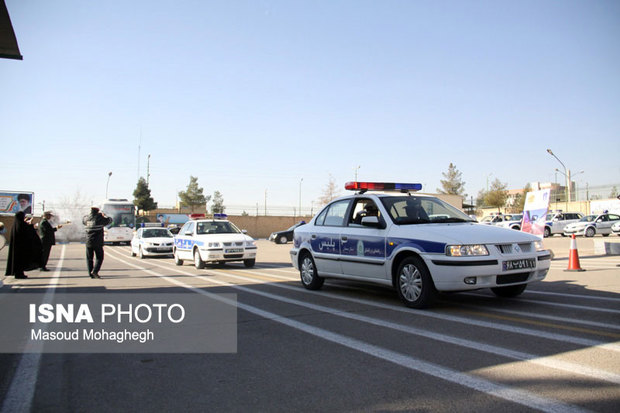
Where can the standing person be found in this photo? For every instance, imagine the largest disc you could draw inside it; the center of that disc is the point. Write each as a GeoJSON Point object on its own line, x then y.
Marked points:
{"type": "Point", "coordinates": [46, 232]}
{"type": "Point", "coordinates": [94, 223]}
{"type": "Point", "coordinates": [24, 247]}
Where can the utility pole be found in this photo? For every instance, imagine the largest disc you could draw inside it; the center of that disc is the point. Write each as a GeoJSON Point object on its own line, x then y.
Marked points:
{"type": "Point", "coordinates": [148, 170]}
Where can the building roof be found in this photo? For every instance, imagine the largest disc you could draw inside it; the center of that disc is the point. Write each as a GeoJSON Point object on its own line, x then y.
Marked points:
{"type": "Point", "coordinates": [8, 42]}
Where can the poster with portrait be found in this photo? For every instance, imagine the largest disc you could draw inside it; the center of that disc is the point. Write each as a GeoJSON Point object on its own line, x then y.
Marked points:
{"type": "Point", "coordinates": [13, 202]}
{"type": "Point", "coordinates": [535, 212]}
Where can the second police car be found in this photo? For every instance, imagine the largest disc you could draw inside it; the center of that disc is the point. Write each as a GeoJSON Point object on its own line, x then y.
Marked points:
{"type": "Point", "coordinates": [214, 240]}
{"type": "Point", "coordinates": [416, 243]}
{"type": "Point", "coordinates": [590, 225]}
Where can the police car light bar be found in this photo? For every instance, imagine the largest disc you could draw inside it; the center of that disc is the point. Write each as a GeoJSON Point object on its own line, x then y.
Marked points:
{"type": "Point", "coordinates": [382, 186]}
{"type": "Point", "coordinates": [220, 216]}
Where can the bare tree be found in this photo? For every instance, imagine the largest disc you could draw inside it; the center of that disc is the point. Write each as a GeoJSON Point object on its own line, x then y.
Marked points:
{"type": "Point", "coordinates": [330, 191]}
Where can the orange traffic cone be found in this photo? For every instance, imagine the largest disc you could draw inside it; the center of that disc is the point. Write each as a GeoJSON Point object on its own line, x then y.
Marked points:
{"type": "Point", "coordinates": [573, 257]}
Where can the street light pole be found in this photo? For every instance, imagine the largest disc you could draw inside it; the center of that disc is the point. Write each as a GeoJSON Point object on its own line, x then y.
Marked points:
{"type": "Point", "coordinates": [107, 185]}
{"type": "Point", "coordinates": [302, 179]}
{"type": "Point", "coordinates": [566, 175]}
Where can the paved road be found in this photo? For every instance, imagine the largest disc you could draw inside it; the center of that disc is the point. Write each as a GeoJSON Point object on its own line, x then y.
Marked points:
{"type": "Point", "coordinates": [348, 347]}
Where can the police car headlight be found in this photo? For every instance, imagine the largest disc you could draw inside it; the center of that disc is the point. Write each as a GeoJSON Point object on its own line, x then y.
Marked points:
{"type": "Point", "coordinates": [250, 243]}
{"type": "Point", "coordinates": [214, 245]}
{"type": "Point", "coordinates": [466, 250]}
{"type": "Point", "coordinates": [539, 246]}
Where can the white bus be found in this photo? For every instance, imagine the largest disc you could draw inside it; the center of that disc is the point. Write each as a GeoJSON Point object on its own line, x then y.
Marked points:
{"type": "Point", "coordinates": [123, 215]}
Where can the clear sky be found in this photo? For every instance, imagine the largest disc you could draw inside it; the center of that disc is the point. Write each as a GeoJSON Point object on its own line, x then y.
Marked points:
{"type": "Point", "coordinates": [253, 96]}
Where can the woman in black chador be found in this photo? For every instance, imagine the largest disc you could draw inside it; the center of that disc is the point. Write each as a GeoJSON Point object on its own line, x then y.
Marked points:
{"type": "Point", "coordinates": [24, 248]}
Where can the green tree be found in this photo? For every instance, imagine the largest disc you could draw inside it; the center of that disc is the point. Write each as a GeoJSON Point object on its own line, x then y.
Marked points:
{"type": "Point", "coordinates": [142, 196]}
{"type": "Point", "coordinates": [520, 199]}
{"type": "Point", "coordinates": [497, 195]}
{"type": "Point", "coordinates": [480, 202]}
{"type": "Point", "coordinates": [218, 203]}
{"type": "Point", "coordinates": [453, 183]}
{"type": "Point", "coordinates": [193, 196]}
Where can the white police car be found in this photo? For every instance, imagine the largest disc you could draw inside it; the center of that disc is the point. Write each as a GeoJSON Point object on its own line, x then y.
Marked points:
{"type": "Point", "coordinates": [557, 220]}
{"type": "Point", "coordinates": [591, 225]}
{"type": "Point", "coordinates": [512, 221]}
{"type": "Point", "coordinates": [152, 241]}
{"type": "Point", "coordinates": [214, 240]}
{"type": "Point", "coordinates": [416, 243]}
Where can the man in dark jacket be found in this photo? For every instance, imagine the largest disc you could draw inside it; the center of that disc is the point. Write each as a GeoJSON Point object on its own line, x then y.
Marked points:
{"type": "Point", "coordinates": [94, 223]}
{"type": "Point", "coordinates": [46, 232]}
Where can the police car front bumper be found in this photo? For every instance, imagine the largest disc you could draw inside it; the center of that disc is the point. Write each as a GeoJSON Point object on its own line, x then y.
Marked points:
{"type": "Point", "coordinates": [228, 254]}
{"type": "Point", "coordinates": [452, 274]}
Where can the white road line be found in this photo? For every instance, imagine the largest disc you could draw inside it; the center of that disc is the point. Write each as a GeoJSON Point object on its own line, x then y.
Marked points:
{"type": "Point", "coordinates": [458, 319]}
{"type": "Point", "coordinates": [474, 345]}
{"type": "Point", "coordinates": [568, 295]}
{"type": "Point", "coordinates": [20, 394]}
{"type": "Point", "coordinates": [516, 396]}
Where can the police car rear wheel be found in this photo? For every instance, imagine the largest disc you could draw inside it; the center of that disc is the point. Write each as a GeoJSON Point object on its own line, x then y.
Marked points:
{"type": "Point", "coordinates": [414, 284]}
{"type": "Point", "coordinates": [510, 291]}
{"type": "Point", "coordinates": [198, 262]}
{"type": "Point", "coordinates": [309, 277]}
{"type": "Point", "coordinates": [547, 232]}
{"type": "Point", "coordinates": [177, 260]}
{"type": "Point", "coordinates": [283, 239]}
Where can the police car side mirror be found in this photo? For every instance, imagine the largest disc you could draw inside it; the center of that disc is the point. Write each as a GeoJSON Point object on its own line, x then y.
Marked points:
{"type": "Point", "coordinates": [244, 231]}
{"type": "Point", "coordinates": [371, 221]}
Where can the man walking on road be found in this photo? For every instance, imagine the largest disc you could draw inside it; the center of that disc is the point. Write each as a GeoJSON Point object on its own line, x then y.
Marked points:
{"type": "Point", "coordinates": [94, 223]}
{"type": "Point", "coordinates": [46, 232]}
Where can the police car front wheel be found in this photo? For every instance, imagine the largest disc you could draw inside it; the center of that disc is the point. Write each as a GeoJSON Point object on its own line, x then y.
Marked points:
{"type": "Point", "coordinates": [309, 276]}
{"type": "Point", "coordinates": [177, 260]}
{"type": "Point", "coordinates": [198, 262]}
{"type": "Point", "coordinates": [414, 283]}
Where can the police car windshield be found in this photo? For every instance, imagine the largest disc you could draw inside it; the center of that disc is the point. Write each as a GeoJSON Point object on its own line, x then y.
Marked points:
{"type": "Point", "coordinates": [215, 227]}
{"type": "Point", "coordinates": [157, 233]}
{"type": "Point", "coordinates": [408, 210]}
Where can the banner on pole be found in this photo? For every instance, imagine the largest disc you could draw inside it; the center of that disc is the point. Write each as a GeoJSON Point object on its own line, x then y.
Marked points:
{"type": "Point", "coordinates": [535, 212]}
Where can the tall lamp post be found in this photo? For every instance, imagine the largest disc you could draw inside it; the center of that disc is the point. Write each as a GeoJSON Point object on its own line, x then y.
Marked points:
{"type": "Point", "coordinates": [302, 179]}
{"type": "Point", "coordinates": [566, 175]}
{"type": "Point", "coordinates": [107, 184]}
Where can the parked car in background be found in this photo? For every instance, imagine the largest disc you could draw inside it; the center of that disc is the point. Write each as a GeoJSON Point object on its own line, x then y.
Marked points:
{"type": "Point", "coordinates": [511, 221]}
{"type": "Point", "coordinates": [591, 225]}
{"type": "Point", "coordinates": [492, 219]}
{"type": "Point", "coordinates": [557, 220]}
{"type": "Point", "coordinates": [152, 242]}
{"type": "Point", "coordinates": [282, 237]}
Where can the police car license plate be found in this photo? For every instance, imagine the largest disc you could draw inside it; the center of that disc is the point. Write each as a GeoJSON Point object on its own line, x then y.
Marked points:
{"type": "Point", "coordinates": [234, 250]}
{"type": "Point", "coordinates": [519, 264]}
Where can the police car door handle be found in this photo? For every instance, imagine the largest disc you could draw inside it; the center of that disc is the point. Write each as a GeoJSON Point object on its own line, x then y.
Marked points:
{"type": "Point", "coordinates": [344, 239]}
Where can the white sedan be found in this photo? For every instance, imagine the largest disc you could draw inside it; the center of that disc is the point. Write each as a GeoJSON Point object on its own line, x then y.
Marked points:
{"type": "Point", "coordinates": [151, 242]}
{"type": "Point", "coordinates": [591, 225]}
